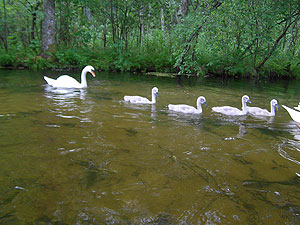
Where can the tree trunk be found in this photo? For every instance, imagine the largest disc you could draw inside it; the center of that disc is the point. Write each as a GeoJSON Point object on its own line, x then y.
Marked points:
{"type": "Point", "coordinates": [141, 26]}
{"type": "Point", "coordinates": [104, 34]}
{"type": "Point", "coordinates": [64, 36]}
{"type": "Point", "coordinates": [277, 42]}
{"type": "Point", "coordinates": [185, 7]}
{"type": "Point", "coordinates": [23, 36]}
{"type": "Point", "coordinates": [88, 13]}
{"type": "Point", "coordinates": [48, 32]}
{"type": "Point", "coordinates": [34, 18]}
{"type": "Point", "coordinates": [162, 19]}
{"type": "Point", "coordinates": [5, 27]}
{"type": "Point", "coordinates": [189, 43]}
{"type": "Point", "coordinates": [112, 21]}
{"type": "Point", "coordinates": [148, 19]}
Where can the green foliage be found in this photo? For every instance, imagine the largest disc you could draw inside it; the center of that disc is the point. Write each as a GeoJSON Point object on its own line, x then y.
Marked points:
{"type": "Point", "coordinates": [37, 63]}
{"type": "Point", "coordinates": [72, 57]}
{"type": "Point", "coordinates": [235, 38]}
{"type": "Point", "coordinates": [7, 60]}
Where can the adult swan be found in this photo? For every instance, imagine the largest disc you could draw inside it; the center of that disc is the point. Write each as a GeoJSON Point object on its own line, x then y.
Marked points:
{"type": "Point", "coordinates": [65, 81]}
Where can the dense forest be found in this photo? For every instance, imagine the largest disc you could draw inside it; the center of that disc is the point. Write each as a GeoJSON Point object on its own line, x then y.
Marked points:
{"type": "Point", "coordinates": [241, 38]}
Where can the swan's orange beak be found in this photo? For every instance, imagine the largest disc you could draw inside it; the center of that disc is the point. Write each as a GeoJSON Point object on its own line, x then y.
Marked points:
{"type": "Point", "coordinates": [93, 73]}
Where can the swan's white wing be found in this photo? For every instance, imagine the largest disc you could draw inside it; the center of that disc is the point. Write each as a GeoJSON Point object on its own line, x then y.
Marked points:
{"type": "Point", "coordinates": [228, 110]}
{"type": "Point", "coordinates": [183, 108]}
{"type": "Point", "coordinates": [67, 81]}
{"type": "Point", "coordinates": [297, 107]}
{"type": "Point", "coordinates": [256, 111]}
{"type": "Point", "coordinates": [136, 99]}
{"type": "Point", "coordinates": [64, 81]}
{"type": "Point", "coordinates": [295, 115]}
{"type": "Point", "coordinates": [49, 81]}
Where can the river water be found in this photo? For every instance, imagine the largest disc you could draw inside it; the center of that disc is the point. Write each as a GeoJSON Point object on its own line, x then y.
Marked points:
{"type": "Point", "coordinates": [87, 157]}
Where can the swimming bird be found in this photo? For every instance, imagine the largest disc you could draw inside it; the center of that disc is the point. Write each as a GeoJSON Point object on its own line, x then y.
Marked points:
{"type": "Point", "coordinates": [65, 81]}
{"type": "Point", "coordinates": [295, 115]}
{"type": "Point", "coordinates": [142, 100]}
{"type": "Point", "coordinates": [256, 111]}
{"type": "Point", "coordinates": [297, 107]}
{"type": "Point", "coordinates": [232, 111]}
{"type": "Point", "coordinates": [187, 108]}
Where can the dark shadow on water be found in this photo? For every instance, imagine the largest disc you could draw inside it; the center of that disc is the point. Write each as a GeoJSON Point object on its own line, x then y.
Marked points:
{"type": "Point", "coordinates": [130, 132]}
{"type": "Point", "coordinates": [271, 132]}
{"type": "Point", "coordinates": [240, 160]}
{"type": "Point", "coordinates": [295, 181]}
{"type": "Point", "coordinates": [95, 174]}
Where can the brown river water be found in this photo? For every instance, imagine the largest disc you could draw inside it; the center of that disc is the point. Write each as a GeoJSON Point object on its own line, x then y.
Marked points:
{"type": "Point", "coordinates": [87, 157]}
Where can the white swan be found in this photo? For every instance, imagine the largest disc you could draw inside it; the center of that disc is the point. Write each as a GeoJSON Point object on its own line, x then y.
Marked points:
{"type": "Point", "coordinates": [256, 111]}
{"type": "Point", "coordinates": [65, 81]}
{"type": "Point", "coordinates": [297, 107]}
{"type": "Point", "coordinates": [187, 108]}
{"type": "Point", "coordinates": [232, 111]}
{"type": "Point", "coordinates": [295, 115]}
{"type": "Point", "coordinates": [142, 100]}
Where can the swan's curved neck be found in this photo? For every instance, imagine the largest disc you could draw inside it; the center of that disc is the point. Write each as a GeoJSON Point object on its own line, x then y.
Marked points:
{"type": "Point", "coordinates": [272, 110]}
{"type": "Point", "coordinates": [83, 78]}
{"type": "Point", "coordinates": [199, 107]}
{"type": "Point", "coordinates": [153, 98]}
{"type": "Point", "coordinates": [244, 106]}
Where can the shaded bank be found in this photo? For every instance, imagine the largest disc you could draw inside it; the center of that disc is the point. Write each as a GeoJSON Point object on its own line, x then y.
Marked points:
{"type": "Point", "coordinates": [136, 61]}
{"type": "Point", "coordinates": [232, 38]}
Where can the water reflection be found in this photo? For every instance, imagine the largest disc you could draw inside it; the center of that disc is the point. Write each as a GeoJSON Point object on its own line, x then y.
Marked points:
{"type": "Point", "coordinates": [242, 131]}
{"type": "Point", "coordinates": [136, 111]}
{"type": "Point", "coordinates": [266, 119]}
{"type": "Point", "coordinates": [185, 117]}
{"type": "Point", "coordinates": [69, 103]}
{"type": "Point", "coordinates": [142, 164]}
{"type": "Point", "coordinates": [292, 128]}
{"type": "Point", "coordinates": [153, 112]}
{"type": "Point", "coordinates": [290, 150]}
{"type": "Point", "coordinates": [64, 94]}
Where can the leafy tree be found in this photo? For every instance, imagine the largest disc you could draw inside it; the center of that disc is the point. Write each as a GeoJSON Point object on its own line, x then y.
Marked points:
{"type": "Point", "coordinates": [234, 37]}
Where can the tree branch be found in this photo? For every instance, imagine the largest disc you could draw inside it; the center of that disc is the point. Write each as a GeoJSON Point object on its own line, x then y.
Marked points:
{"type": "Point", "coordinates": [276, 43]}
{"type": "Point", "coordinates": [195, 34]}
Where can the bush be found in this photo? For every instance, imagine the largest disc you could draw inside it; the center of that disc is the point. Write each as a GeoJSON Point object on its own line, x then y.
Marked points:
{"type": "Point", "coordinates": [7, 59]}
{"type": "Point", "coordinates": [72, 57]}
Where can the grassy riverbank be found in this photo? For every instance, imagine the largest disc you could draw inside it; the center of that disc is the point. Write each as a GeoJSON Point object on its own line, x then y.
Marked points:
{"type": "Point", "coordinates": [257, 39]}
{"type": "Point", "coordinates": [157, 59]}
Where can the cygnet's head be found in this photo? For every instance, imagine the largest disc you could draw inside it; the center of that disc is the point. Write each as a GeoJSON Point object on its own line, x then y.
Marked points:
{"type": "Point", "coordinates": [155, 91]}
{"type": "Point", "coordinates": [246, 99]}
{"type": "Point", "coordinates": [201, 100]}
{"type": "Point", "coordinates": [274, 103]}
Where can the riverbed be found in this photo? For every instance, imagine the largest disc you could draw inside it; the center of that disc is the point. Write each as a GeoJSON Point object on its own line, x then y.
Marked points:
{"type": "Point", "coordinates": [87, 157]}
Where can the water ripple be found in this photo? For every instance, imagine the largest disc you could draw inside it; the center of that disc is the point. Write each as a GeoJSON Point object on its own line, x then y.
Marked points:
{"type": "Point", "coordinates": [290, 150]}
